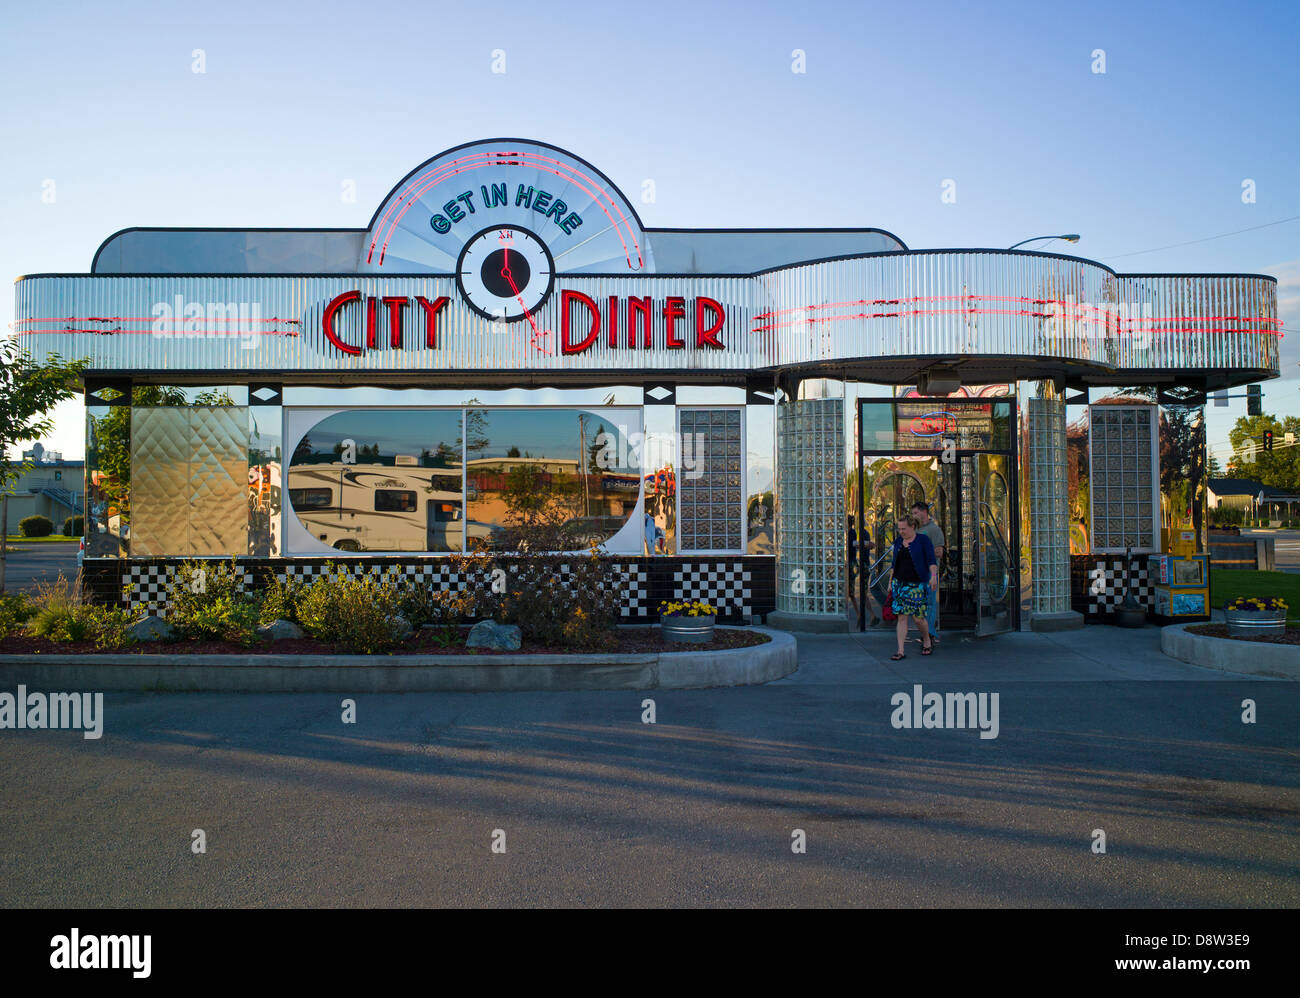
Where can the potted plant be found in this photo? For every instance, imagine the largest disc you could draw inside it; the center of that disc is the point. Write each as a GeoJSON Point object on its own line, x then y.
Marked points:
{"type": "Point", "coordinates": [689, 621]}
{"type": "Point", "coordinates": [1253, 616]}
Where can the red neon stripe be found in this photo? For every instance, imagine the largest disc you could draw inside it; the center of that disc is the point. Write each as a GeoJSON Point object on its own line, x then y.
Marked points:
{"type": "Point", "coordinates": [122, 318]}
{"type": "Point", "coordinates": [986, 311]}
{"type": "Point", "coordinates": [1032, 301]}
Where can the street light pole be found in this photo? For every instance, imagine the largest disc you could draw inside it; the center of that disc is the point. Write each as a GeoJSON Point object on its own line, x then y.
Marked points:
{"type": "Point", "coordinates": [1072, 237]}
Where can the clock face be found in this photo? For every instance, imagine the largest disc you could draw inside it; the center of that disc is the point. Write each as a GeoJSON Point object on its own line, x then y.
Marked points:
{"type": "Point", "coordinates": [505, 272]}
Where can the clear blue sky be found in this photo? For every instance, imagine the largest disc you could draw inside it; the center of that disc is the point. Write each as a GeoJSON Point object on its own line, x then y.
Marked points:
{"type": "Point", "coordinates": [1001, 98]}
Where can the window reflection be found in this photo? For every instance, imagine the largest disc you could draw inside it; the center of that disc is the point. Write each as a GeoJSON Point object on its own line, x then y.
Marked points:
{"type": "Point", "coordinates": [381, 480]}
{"type": "Point", "coordinates": [394, 480]}
{"type": "Point", "coordinates": [567, 475]}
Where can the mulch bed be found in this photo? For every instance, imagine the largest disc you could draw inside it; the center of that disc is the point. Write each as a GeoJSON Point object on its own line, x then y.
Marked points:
{"type": "Point", "coordinates": [638, 641]}
{"type": "Point", "coordinates": [1291, 637]}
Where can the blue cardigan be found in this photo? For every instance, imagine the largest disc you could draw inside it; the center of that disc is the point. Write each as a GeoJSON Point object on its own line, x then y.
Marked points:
{"type": "Point", "coordinates": [922, 552]}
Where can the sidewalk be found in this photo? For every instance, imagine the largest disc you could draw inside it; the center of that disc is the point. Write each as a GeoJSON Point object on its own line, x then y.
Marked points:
{"type": "Point", "coordinates": [1093, 654]}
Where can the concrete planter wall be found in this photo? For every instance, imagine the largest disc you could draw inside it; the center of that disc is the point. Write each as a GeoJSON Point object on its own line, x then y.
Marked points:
{"type": "Point", "coordinates": [1255, 623]}
{"type": "Point", "coordinates": [688, 630]}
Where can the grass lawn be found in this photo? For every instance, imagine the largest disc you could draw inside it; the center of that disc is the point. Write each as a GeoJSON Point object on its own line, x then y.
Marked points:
{"type": "Point", "coordinates": [1229, 583]}
{"type": "Point", "coordinates": [15, 539]}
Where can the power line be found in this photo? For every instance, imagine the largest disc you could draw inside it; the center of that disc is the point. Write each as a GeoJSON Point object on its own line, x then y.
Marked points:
{"type": "Point", "coordinates": [1192, 242]}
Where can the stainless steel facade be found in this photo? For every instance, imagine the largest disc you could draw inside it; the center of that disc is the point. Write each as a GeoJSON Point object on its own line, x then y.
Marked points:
{"type": "Point", "coordinates": [884, 315]}
{"type": "Point", "coordinates": [814, 320]}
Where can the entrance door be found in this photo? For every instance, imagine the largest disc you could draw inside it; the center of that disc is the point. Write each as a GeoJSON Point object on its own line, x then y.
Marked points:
{"type": "Point", "coordinates": [996, 587]}
{"type": "Point", "coordinates": [970, 488]}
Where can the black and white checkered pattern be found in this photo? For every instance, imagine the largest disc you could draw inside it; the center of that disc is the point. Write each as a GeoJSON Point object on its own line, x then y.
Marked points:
{"type": "Point", "coordinates": [724, 584]}
{"type": "Point", "coordinates": [636, 590]}
{"type": "Point", "coordinates": [149, 583]}
{"type": "Point", "coordinates": [1106, 584]}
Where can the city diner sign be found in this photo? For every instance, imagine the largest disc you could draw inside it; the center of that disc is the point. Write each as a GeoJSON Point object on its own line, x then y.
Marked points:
{"type": "Point", "coordinates": [619, 323]}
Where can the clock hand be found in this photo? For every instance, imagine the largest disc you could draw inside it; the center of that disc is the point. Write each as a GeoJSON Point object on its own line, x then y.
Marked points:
{"type": "Point", "coordinates": [505, 272]}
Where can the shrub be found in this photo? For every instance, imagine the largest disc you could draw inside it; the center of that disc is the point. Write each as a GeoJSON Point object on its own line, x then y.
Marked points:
{"type": "Point", "coordinates": [581, 606]}
{"type": "Point", "coordinates": [439, 608]}
{"type": "Point", "coordinates": [60, 613]}
{"type": "Point", "coordinates": [35, 526]}
{"type": "Point", "coordinates": [109, 626]}
{"type": "Point", "coordinates": [15, 610]}
{"type": "Point", "coordinates": [206, 602]}
{"type": "Point", "coordinates": [351, 612]}
{"type": "Point", "coordinates": [280, 600]}
{"type": "Point", "coordinates": [57, 612]}
{"type": "Point", "coordinates": [74, 526]}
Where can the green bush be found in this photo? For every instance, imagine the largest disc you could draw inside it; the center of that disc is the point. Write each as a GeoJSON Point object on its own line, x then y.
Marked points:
{"type": "Point", "coordinates": [206, 601]}
{"type": "Point", "coordinates": [280, 600]}
{"type": "Point", "coordinates": [60, 613]}
{"type": "Point", "coordinates": [57, 611]}
{"type": "Point", "coordinates": [35, 526]}
{"type": "Point", "coordinates": [581, 608]}
{"type": "Point", "coordinates": [439, 608]}
{"type": "Point", "coordinates": [15, 610]}
{"type": "Point", "coordinates": [355, 613]}
{"type": "Point", "coordinates": [74, 526]}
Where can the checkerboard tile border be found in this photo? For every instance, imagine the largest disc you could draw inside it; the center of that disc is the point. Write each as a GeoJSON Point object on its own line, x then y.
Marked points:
{"type": "Point", "coordinates": [1101, 579]}
{"type": "Point", "coordinates": [723, 584]}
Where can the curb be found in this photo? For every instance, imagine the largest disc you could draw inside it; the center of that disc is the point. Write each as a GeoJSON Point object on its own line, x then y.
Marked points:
{"type": "Point", "coordinates": [406, 673]}
{"type": "Point", "coordinates": [1258, 658]}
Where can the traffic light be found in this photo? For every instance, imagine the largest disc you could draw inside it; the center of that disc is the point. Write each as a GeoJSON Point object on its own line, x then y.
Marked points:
{"type": "Point", "coordinates": [1268, 439]}
{"type": "Point", "coordinates": [1254, 406]}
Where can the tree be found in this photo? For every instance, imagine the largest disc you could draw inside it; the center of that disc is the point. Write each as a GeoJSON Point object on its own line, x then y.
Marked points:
{"type": "Point", "coordinates": [28, 391]}
{"type": "Point", "coordinates": [1214, 469]}
{"type": "Point", "coordinates": [1280, 467]}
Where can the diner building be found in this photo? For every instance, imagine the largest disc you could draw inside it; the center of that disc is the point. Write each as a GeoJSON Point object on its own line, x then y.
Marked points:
{"type": "Point", "coordinates": [738, 415]}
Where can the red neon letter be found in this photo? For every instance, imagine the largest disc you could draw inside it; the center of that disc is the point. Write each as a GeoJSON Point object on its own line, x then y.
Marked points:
{"type": "Point", "coordinates": [327, 320]}
{"type": "Point", "coordinates": [566, 298]}
{"type": "Point", "coordinates": [370, 323]}
{"type": "Point", "coordinates": [674, 309]}
{"type": "Point", "coordinates": [395, 304]}
{"type": "Point", "coordinates": [431, 310]}
{"type": "Point", "coordinates": [613, 322]}
{"type": "Point", "coordinates": [635, 307]}
{"type": "Point", "coordinates": [708, 337]}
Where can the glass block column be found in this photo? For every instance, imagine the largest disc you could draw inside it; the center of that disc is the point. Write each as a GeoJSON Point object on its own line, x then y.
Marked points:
{"type": "Point", "coordinates": [1049, 519]}
{"type": "Point", "coordinates": [810, 507]}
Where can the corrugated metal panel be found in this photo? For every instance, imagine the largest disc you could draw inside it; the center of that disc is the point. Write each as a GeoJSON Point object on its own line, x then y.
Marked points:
{"type": "Point", "coordinates": [925, 304]}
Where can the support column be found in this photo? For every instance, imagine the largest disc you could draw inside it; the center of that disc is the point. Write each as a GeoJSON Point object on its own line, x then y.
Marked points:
{"type": "Point", "coordinates": [810, 515]}
{"type": "Point", "coordinates": [1043, 470]}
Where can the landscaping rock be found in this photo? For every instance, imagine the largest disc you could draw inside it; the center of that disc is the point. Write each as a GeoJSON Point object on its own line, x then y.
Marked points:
{"type": "Point", "coordinates": [402, 628]}
{"type": "Point", "coordinates": [490, 634]}
{"type": "Point", "coordinates": [151, 629]}
{"type": "Point", "coordinates": [280, 630]}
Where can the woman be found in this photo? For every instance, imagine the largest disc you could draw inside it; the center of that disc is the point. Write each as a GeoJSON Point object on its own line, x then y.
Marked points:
{"type": "Point", "coordinates": [915, 568]}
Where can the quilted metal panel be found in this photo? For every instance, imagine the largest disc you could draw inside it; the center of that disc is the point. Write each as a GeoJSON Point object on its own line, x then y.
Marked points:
{"type": "Point", "coordinates": [159, 481]}
{"type": "Point", "coordinates": [218, 480]}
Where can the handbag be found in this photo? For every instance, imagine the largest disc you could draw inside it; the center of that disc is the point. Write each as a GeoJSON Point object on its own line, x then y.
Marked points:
{"type": "Point", "coordinates": [887, 606]}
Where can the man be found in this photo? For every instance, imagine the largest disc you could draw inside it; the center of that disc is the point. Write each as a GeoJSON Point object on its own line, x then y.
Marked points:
{"type": "Point", "coordinates": [921, 510]}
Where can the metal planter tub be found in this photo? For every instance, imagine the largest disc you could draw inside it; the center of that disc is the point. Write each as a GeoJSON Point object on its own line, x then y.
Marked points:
{"type": "Point", "coordinates": [687, 629]}
{"type": "Point", "coordinates": [1255, 623]}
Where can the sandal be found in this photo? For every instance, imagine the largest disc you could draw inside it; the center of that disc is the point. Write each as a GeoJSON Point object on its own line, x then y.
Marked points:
{"type": "Point", "coordinates": [927, 649]}
{"type": "Point", "coordinates": [895, 658]}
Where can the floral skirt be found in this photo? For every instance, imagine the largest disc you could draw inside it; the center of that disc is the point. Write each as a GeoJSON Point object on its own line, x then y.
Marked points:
{"type": "Point", "coordinates": [909, 599]}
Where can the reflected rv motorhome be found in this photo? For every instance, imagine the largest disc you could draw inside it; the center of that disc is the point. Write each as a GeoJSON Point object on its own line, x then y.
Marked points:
{"type": "Point", "coordinates": [374, 507]}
